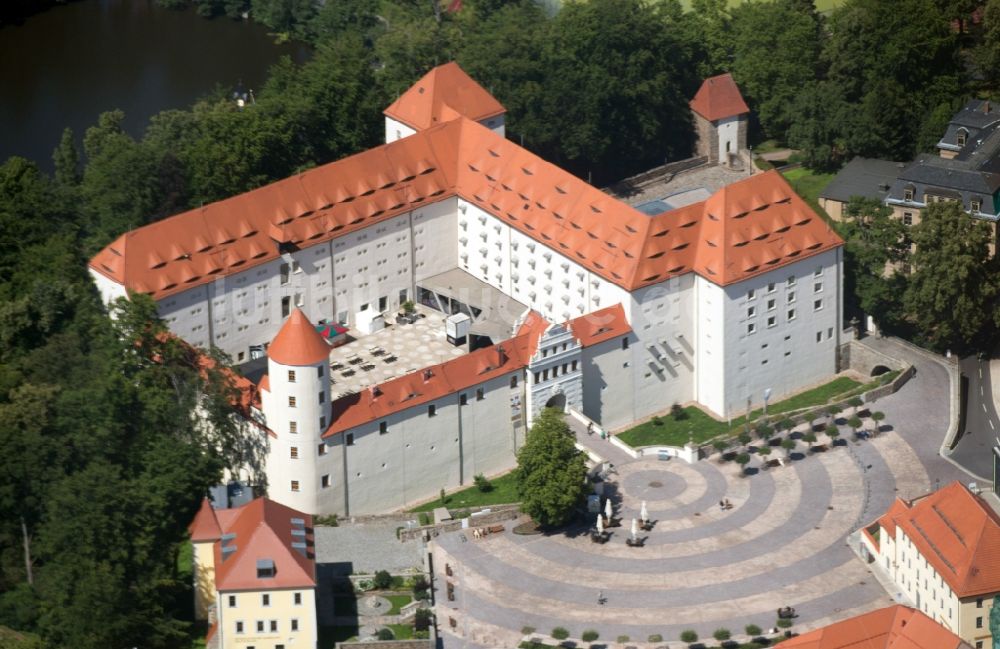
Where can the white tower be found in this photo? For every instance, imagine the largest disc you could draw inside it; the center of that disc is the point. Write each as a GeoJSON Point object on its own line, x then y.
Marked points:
{"type": "Point", "coordinates": [296, 402]}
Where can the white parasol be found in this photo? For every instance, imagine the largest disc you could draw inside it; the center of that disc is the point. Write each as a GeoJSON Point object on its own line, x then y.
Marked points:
{"type": "Point", "coordinates": [643, 512]}
{"type": "Point", "coordinates": [607, 508]}
{"type": "Point", "coordinates": [600, 525]}
{"type": "Point", "coordinates": [635, 529]}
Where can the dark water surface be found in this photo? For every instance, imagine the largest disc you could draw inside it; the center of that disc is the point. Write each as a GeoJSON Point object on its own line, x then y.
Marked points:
{"type": "Point", "coordinates": [65, 66]}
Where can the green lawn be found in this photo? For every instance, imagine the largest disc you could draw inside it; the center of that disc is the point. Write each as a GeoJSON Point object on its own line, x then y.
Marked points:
{"type": "Point", "coordinates": [504, 491]}
{"type": "Point", "coordinates": [808, 184]}
{"type": "Point", "coordinates": [402, 631]}
{"type": "Point", "coordinates": [398, 602]}
{"type": "Point", "coordinates": [672, 432]}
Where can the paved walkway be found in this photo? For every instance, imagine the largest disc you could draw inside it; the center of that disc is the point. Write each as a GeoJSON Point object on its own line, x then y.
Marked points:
{"type": "Point", "coordinates": [784, 542]}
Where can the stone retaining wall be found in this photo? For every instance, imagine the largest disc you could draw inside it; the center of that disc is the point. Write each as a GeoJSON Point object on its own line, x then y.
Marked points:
{"type": "Point", "coordinates": [857, 356]}
{"type": "Point", "coordinates": [386, 644]}
{"type": "Point", "coordinates": [498, 514]}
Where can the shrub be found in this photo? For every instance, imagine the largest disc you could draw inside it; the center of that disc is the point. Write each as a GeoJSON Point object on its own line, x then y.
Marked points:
{"type": "Point", "coordinates": [764, 431]}
{"type": "Point", "coordinates": [689, 636]}
{"type": "Point", "coordinates": [656, 637]}
{"type": "Point", "coordinates": [855, 402]}
{"type": "Point", "coordinates": [421, 594]}
{"type": "Point", "coordinates": [678, 413]}
{"type": "Point", "coordinates": [420, 583]}
{"type": "Point", "coordinates": [743, 459]}
{"type": "Point", "coordinates": [441, 496]}
{"type": "Point", "coordinates": [482, 483]}
{"type": "Point", "coordinates": [809, 438]}
{"type": "Point", "coordinates": [590, 635]}
{"type": "Point", "coordinates": [329, 521]}
{"type": "Point", "coordinates": [422, 619]}
{"type": "Point", "coordinates": [788, 424]}
{"type": "Point", "coordinates": [720, 445]}
{"type": "Point", "coordinates": [365, 585]}
{"type": "Point", "coordinates": [878, 416]}
{"type": "Point", "coordinates": [622, 639]}
{"type": "Point", "coordinates": [783, 623]}
{"type": "Point", "coordinates": [788, 444]}
{"type": "Point", "coordinates": [657, 421]}
{"type": "Point", "coordinates": [385, 634]}
{"type": "Point", "coordinates": [559, 633]}
{"type": "Point", "coordinates": [382, 580]}
{"type": "Point", "coordinates": [752, 630]}
{"type": "Point", "coordinates": [721, 634]}
{"type": "Point", "coordinates": [421, 635]}
{"type": "Point", "coordinates": [744, 438]}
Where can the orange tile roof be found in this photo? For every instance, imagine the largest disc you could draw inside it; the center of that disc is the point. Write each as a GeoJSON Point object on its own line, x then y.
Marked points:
{"type": "Point", "coordinates": [298, 342]}
{"type": "Point", "coordinates": [959, 535]}
{"type": "Point", "coordinates": [894, 627]}
{"type": "Point", "coordinates": [887, 520]}
{"type": "Point", "coordinates": [437, 381]}
{"type": "Point", "coordinates": [718, 98]}
{"type": "Point", "coordinates": [262, 529]}
{"type": "Point", "coordinates": [205, 526]}
{"type": "Point", "coordinates": [744, 229]}
{"type": "Point", "coordinates": [441, 95]}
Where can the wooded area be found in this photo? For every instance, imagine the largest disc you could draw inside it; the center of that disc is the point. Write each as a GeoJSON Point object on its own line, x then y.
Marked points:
{"type": "Point", "coordinates": [105, 462]}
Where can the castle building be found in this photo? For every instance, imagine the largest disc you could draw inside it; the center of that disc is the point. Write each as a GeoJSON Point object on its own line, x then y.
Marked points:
{"type": "Point", "coordinates": [940, 551]}
{"type": "Point", "coordinates": [255, 575]}
{"type": "Point", "coordinates": [893, 627]}
{"type": "Point", "coordinates": [721, 119]}
{"type": "Point", "coordinates": [535, 289]}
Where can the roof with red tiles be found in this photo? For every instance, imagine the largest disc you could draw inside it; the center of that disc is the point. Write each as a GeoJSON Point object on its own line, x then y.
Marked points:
{"type": "Point", "coordinates": [887, 520]}
{"type": "Point", "coordinates": [718, 98]}
{"type": "Point", "coordinates": [959, 535]}
{"type": "Point", "coordinates": [261, 531]}
{"type": "Point", "coordinates": [744, 229]}
{"type": "Point", "coordinates": [205, 526]}
{"type": "Point", "coordinates": [441, 95]}
{"type": "Point", "coordinates": [451, 377]}
{"type": "Point", "coordinates": [894, 627]}
{"type": "Point", "coordinates": [298, 342]}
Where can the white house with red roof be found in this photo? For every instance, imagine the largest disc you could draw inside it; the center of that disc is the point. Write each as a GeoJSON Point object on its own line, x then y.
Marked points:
{"type": "Point", "coordinates": [721, 119]}
{"type": "Point", "coordinates": [942, 551]}
{"type": "Point", "coordinates": [715, 302]}
{"type": "Point", "coordinates": [255, 575]}
{"type": "Point", "coordinates": [893, 627]}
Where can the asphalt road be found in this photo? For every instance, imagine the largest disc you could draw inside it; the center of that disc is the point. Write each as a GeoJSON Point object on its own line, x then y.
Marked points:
{"type": "Point", "coordinates": [982, 424]}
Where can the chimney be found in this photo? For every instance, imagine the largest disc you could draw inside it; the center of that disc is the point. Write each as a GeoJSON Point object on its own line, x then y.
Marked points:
{"type": "Point", "coordinates": [986, 106]}
{"type": "Point", "coordinates": [501, 355]}
{"type": "Point", "coordinates": [428, 375]}
{"type": "Point", "coordinates": [376, 391]}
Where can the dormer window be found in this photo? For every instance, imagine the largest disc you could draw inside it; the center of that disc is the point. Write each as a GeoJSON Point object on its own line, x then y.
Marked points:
{"type": "Point", "coordinates": [960, 140]}
{"type": "Point", "coordinates": [975, 204]}
{"type": "Point", "coordinates": [265, 570]}
{"type": "Point", "coordinates": [908, 194]}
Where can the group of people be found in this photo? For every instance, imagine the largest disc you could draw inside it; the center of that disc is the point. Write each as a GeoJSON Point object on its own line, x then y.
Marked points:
{"type": "Point", "coordinates": [724, 504]}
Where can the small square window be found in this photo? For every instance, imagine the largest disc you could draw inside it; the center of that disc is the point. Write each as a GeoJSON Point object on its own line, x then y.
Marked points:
{"type": "Point", "coordinates": [770, 287]}
{"type": "Point", "coordinates": [819, 336]}
{"type": "Point", "coordinates": [291, 376]}
{"type": "Point", "coordinates": [791, 314]}
{"type": "Point", "coordinates": [771, 321]}
{"type": "Point", "coordinates": [751, 294]}
{"type": "Point", "coordinates": [232, 601]}
{"type": "Point", "coordinates": [293, 427]}
{"type": "Point", "coordinates": [463, 399]}
{"type": "Point", "coordinates": [573, 366]}
{"type": "Point", "coordinates": [239, 626]}
{"type": "Point", "coordinates": [751, 328]}
{"type": "Point", "coordinates": [625, 342]}
{"type": "Point", "coordinates": [818, 272]}
{"type": "Point", "coordinates": [265, 600]}
{"type": "Point", "coordinates": [480, 394]}
{"type": "Point", "coordinates": [791, 297]}
{"type": "Point", "coordinates": [907, 218]}
{"type": "Point", "coordinates": [295, 485]}
{"type": "Point", "coordinates": [319, 372]}
{"type": "Point", "coordinates": [907, 194]}
{"type": "Point", "coordinates": [274, 626]}
{"type": "Point", "coordinates": [350, 439]}
{"type": "Point", "coordinates": [979, 622]}
{"type": "Point", "coordinates": [431, 410]}
{"type": "Point", "coordinates": [751, 311]}
{"type": "Point", "coordinates": [295, 624]}
{"type": "Point", "coordinates": [513, 381]}
{"type": "Point", "coordinates": [383, 427]}
{"type": "Point", "coordinates": [291, 402]}
{"type": "Point", "coordinates": [790, 281]}
{"type": "Point", "coordinates": [260, 626]}
{"type": "Point", "coordinates": [817, 287]}
{"type": "Point", "coordinates": [817, 305]}
{"type": "Point", "coordinates": [322, 396]}
{"type": "Point", "coordinates": [324, 480]}
{"type": "Point", "coordinates": [294, 452]}
{"type": "Point", "coordinates": [975, 205]}
{"type": "Point", "coordinates": [771, 304]}
{"type": "Point", "coordinates": [321, 449]}
{"type": "Point", "coordinates": [322, 423]}
{"type": "Point", "coordinates": [297, 599]}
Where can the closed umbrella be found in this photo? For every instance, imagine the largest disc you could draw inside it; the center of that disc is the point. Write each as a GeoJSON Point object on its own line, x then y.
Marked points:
{"type": "Point", "coordinates": [607, 509]}
{"type": "Point", "coordinates": [600, 525]}
{"type": "Point", "coordinates": [635, 529]}
{"type": "Point", "coordinates": [643, 513]}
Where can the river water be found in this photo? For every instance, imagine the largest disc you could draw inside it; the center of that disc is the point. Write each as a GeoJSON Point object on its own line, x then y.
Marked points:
{"type": "Point", "coordinates": [65, 66]}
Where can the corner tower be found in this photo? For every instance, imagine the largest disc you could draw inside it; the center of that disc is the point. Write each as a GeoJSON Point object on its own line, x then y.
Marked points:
{"type": "Point", "coordinates": [295, 398]}
{"type": "Point", "coordinates": [721, 118]}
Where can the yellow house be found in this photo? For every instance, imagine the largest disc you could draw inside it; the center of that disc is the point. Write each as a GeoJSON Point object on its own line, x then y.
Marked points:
{"type": "Point", "coordinates": [943, 551]}
{"type": "Point", "coordinates": [255, 576]}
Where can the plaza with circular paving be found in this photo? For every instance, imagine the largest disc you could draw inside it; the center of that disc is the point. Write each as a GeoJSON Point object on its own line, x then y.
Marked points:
{"type": "Point", "coordinates": [783, 542]}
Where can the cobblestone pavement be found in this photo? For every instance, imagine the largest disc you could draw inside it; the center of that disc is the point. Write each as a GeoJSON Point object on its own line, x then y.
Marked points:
{"type": "Point", "coordinates": [784, 542]}
{"type": "Point", "coordinates": [365, 548]}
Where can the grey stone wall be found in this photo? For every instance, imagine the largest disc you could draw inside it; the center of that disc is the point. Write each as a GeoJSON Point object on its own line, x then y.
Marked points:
{"type": "Point", "coordinates": [386, 644]}
{"type": "Point", "coordinates": [862, 359]}
{"type": "Point", "coordinates": [505, 513]}
{"type": "Point", "coordinates": [708, 139]}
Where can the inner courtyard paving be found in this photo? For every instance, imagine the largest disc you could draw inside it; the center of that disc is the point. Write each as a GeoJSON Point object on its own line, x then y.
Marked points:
{"type": "Point", "coordinates": [783, 543]}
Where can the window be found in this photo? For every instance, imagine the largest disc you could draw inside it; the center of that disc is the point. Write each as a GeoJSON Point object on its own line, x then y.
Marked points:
{"type": "Point", "coordinates": [979, 622]}
{"type": "Point", "coordinates": [431, 410]}
{"type": "Point", "coordinates": [284, 274]}
{"type": "Point", "coordinates": [265, 599]}
{"type": "Point", "coordinates": [403, 295]}
{"type": "Point", "coordinates": [907, 218]}
{"type": "Point", "coordinates": [513, 381]}
{"type": "Point", "coordinates": [463, 399]}
{"type": "Point", "coordinates": [291, 402]}
{"type": "Point", "coordinates": [975, 204]}
{"type": "Point", "coordinates": [383, 427]}
{"type": "Point", "coordinates": [324, 480]}
{"type": "Point", "coordinates": [291, 376]}
{"type": "Point", "coordinates": [319, 372]}
{"type": "Point", "coordinates": [383, 303]}
{"type": "Point", "coordinates": [480, 394]}
{"type": "Point", "coordinates": [751, 294]}
{"type": "Point", "coordinates": [538, 377]}
{"type": "Point", "coordinates": [232, 601]}
{"type": "Point", "coordinates": [960, 139]}
{"type": "Point", "coordinates": [274, 626]}
{"type": "Point", "coordinates": [817, 305]}
{"type": "Point", "coordinates": [260, 626]}
{"type": "Point", "coordinates": [239, 626]}
{"type": "Point", "coordinates": [240, 356]}
{"type": "Point", "coordinates": [295, 267]}
{"type": "Point", "coordinates": [294, 452]}
{"type": "Point", "coordinates": [545, 375]}
{"type": "Point", "coordinates": [790, 281]}
{"type": "Point", "coordinates": [751, 328]}
{"type": "Point", "coordinates": [907, 194]}
{"type": "Point", "coordinates": [771, 321]}
{"type": "Point", "coordinates": [322, 423]}
{"type": "Point", "coordinates": [791, 297]}
{"type": "Point", "coordinates": [573, 366]}
{"type": "Point", "coordinates": [293, 427]}
{"type": "Point", "coordinates": [350, 439]}
{"type": "Point", "coordinates": [286, 306]}
{"type": "Point", "coordinates": [818, 272]}
{"type": "Point", "coordinates": [322, 396]}
{"type": "Point", "coordinates": [321, 449]}
{"type": "Point", "coordinates": [297, 599]}
{"type": "Point", "coordinates": [791, 314]}
{"type": "Point", "coordinates": [295, 624]}
{"type": "Point", "coordinates": [819, 336]}
{"type": "Point", "coordinates": [771, 304]}
{"type": "Point", "coordinates": [295, 485]}
{"type": "Point", "coordinates": [979, 644]}
{"type": "Point", "coordinates": [625, 342]}
{"type": "Point", "coordinates": [770, 287]}
{"type": "Point", "coordinates": [979, 602]}
{"type": "Point", "coordinates": [817, 287]}
{"type": "Point", "coordinates": [751, 311]}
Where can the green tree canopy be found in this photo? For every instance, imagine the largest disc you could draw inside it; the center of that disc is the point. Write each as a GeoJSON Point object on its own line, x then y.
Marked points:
{"type": "Point", "coordinates": [551, 472]}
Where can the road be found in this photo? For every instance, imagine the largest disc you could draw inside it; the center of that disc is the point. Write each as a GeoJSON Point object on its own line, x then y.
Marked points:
{"type": "Point", "coordinates": [982, 425]}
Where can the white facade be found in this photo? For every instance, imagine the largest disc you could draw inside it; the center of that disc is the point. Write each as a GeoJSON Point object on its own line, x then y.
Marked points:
{"type": "Point", "coordinates": [297, 411]}
{"type": "Point", "coordinates": [396, 130]}
{"type": "Point", "coordinates": [728, 130]}
{"type": "Point", "coordinates": [555, 373]}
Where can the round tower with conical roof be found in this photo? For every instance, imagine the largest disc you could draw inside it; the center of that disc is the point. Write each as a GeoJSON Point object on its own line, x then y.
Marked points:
{"type": "Point", "coordinates": [295, 398]}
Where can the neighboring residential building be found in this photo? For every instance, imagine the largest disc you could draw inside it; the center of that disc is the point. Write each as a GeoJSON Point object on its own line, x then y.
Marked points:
{"type": "Point", "coordinates": [861, 177]}
{"type": "Point", "coordinates": [894, 627]}
{"type": "Point", "coordinates": [713, 302]}
{"type": "Point", "coordinates": [721, 118]}
{"type": "Point", "coordinates": [255, 575]}
{"type": "Point", "coordinates": [943, 552]}
{"type": "Point", "coordinates": [967, 126]}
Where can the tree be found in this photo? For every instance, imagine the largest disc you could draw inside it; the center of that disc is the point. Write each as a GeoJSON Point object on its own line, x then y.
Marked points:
{"type": "Point", "coordinates": [382, 580]}
{"type": "Point", "coordinates": [551, 473]}
{"type": "Point", "coordinates": [720, 445]}
{"type": "Point", "coordinates": [855, 423]}
{"type": "Point", "coordinates": [951, 296]}
{"type": "Point", "coordinates": [66, 160]}
{"type": "Point", "coordinates": [786, 424]}
{"type": "Point", "coordinates": [743, 459]}
{"type": "Point", "coordinates": [789, 445]}
{"type": "Point", "coordinates": [878, 417]}
{"type": "Point", "coordinates": [833, 433]}
{"type": "Point", "coordinates": [809, 438]}
{"type": "Point", "coordinates": [744, 438]}
{"type": "Point", "coordinates": [986, 56]}
{"type": "Point", "coordinates": [764, 431]}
